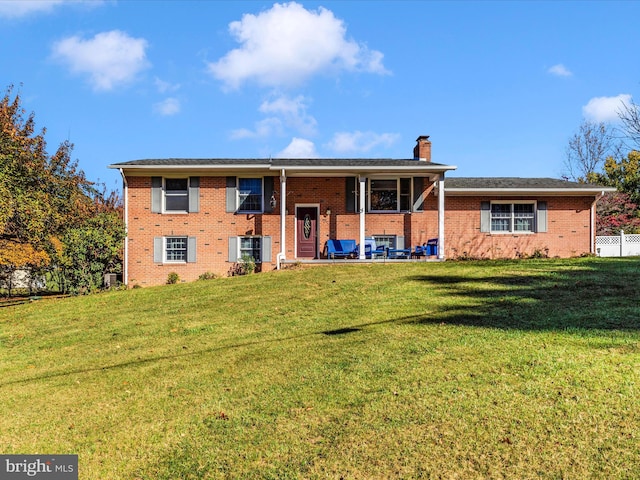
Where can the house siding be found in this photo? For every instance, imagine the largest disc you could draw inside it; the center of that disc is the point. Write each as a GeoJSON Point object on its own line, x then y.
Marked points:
{"type": "Point", "coordinates": [568, 234]}
{"type": "Point", "coordinates": [212, 225]}
{"type": "Point", "coordinates": [568, 226]}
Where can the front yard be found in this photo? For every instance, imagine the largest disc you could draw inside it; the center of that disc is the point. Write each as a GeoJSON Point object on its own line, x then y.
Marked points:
{"type": "Point", "coordinates": [525, 369]}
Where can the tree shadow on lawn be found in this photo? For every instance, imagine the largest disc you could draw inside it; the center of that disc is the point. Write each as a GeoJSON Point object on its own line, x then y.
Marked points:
{"type": "Point", "coordinates": [599, 295]}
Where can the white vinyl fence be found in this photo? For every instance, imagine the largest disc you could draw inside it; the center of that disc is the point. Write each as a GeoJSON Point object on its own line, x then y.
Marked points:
{"type": "Point", "coordinates": [622, 245]}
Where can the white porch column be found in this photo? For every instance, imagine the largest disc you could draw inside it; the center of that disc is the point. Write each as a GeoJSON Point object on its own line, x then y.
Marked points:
{"type": "Point", "coordinates": [283, 214]}
{"type": "Point", "coordinates": [441, 244]}
{"type": "Point", "coordinates": [363, 187]}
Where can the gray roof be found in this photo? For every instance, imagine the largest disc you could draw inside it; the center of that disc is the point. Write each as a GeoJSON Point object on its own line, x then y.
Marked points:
{"type": "Point", "coordinates": [315, 167]}
{"type": "Point", "coordinates": [469, 185]}
{"type": "Point", "coordinates": [276, 162]}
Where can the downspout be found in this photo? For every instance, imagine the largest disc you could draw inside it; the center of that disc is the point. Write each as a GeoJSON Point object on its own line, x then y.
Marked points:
{"type": "Point", "coordinates": [125, 194]}
{"type": "Point", "coordinates": [283, 219]}
{"type": "Point", "coordinates": [441, 236]}
{"type": "Point", "coordinates": [363, 183]}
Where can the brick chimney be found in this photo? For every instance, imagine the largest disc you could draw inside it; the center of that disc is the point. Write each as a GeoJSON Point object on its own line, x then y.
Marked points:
{"type": "Point", "coordinates": [422, 150]}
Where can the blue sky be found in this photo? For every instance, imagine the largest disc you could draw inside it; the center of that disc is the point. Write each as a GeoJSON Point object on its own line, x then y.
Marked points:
{"type": "Point", "coordinates": [499, 86]}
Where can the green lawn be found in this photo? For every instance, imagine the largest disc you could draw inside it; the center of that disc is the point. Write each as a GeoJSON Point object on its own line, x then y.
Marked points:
{"type": "Point", "coordinates": [526, 369]}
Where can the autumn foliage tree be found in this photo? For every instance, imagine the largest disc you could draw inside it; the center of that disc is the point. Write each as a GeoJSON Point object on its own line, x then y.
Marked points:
{"type": "Point", "coordinates": [616, 212]}
{"type": "Point", "coordinates": [42, 196]}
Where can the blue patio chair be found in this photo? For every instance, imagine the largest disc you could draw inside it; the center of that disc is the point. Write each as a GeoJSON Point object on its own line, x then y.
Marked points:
{"type": "Point", "coordinates": [341, 248]}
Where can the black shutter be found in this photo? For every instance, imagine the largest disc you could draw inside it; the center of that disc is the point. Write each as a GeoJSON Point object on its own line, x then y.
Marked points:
{"type": "Point", "coordinates": [418, 199]}
{"type": "Point", "coordinates": [350, 194]}
{"type": "Point", "coordinates": [268, 192]}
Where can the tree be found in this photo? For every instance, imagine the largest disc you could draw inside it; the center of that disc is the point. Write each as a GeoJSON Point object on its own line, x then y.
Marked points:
{"type": "Point", "coordinates": [630, 118]}
{"type": "Point", "coordinates": [16, 256]}
{"type": "Point", "coordinates": [44, 197]}
{"type": "Point", "coordinates": [41, 194]}
{"type": "Point", "coordinates": [91, 250]}
{"type": "Point", "coordinates": [624, 175]}
{"type": "Point", "coordinates": [588, 150]}
{"type": "Point", "coordinates": [616, 211]}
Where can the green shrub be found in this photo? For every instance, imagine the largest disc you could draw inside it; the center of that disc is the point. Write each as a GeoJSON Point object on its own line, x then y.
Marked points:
{"type": "Point", "coordinates": [207, 276]}
{"type": "Point", "coordinates": [248, 264]}
{"type": "Point", "coordinates": [173, 278]}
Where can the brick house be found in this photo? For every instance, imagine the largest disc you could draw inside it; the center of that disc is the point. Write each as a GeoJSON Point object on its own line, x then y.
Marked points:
{"type": "Point", "coordinates": [192, 216]}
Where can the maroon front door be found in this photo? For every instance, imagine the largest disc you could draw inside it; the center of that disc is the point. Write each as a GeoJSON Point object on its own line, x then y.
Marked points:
{"type": "Point", "coordinates": [307, 232]}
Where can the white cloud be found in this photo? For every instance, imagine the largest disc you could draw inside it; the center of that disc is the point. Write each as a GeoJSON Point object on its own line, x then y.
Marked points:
{"type": "Point", "coordinates": [560, 70]}
{"type": "Point", "coordinates": [167, 107]}
{"type": "Point", "coordinates": [293, 112]}
{"type": "Point", "coordinates": [110, 58]}
{"type": "Point", "coordinates": [361, 142]}
{"type": "Point", "coordinates": [285, 113]}
{"type": "Point", "coordinates": [165, 87]}
{"type": "Point", "coordinates": [299, 148]}
{"type": "Point", "coordinates": [263, 129]}
{"type": "Point", "coordinates": [16, 9]}
{"type": "Point", "coordinates": [605, 109]}
{"type": "Point", "coordinates": [24, 8]}
{"type": "Point", "coordinates": [287, 44]}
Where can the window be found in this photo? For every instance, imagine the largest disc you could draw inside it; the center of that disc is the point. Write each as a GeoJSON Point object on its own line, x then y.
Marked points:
{"type": "Point", "coordinates": [386, 241]}
{"type": "Point", "coordinates": [389, 241]}
{"type": "Point", "coordinates": [175, 249]}
{"type": "Point", "coordinates": [250, 247]}
{"type": "Point", "coordinates": [250, 194]}
{"type": "Point", "coordinates": [512, 217]}
{"type": "Point", "coordinates": [391, 195]}
{"type": "Point", "coordinates": [256, 247]}
{"type": "Point", "coordinates": [176, 194]}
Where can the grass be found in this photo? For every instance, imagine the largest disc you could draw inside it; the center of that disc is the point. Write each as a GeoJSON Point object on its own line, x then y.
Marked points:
{"type": "Point", "coordinates": [526, 369]}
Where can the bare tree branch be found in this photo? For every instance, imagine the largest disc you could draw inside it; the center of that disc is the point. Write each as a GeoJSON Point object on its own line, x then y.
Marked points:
{"type": "Point", "coordinates": [630, 117]}
{"type": "Point", "coordinates": [588, 149]}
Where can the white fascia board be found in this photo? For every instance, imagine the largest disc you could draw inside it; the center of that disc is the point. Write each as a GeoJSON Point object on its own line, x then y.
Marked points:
{"type": "Point", "coordinates": [341, 171]}
{"type": "Point", "coordinates": [160, 170]}
{"type": "Point", "coordinates": [192, 167]}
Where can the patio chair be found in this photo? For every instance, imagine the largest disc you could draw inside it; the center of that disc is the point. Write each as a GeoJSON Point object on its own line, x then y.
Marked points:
{"type": "Point", "coordinates": [341, 248]}
{"type": "Point", "coordinates": [371, 250]}
{"type": "Point", "coordinates": [427, 249]}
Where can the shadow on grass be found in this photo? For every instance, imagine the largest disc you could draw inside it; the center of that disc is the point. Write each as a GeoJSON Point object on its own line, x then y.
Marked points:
{"type": "Point", "coordinates": [598, 294]}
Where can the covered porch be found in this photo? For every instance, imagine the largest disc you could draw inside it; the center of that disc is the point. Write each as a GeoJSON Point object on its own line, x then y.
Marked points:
{"type": "Point", "coordinates": [384, 203]}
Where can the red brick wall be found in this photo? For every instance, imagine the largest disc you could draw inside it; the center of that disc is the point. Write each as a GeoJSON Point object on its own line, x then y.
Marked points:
{"type": "Point", "coordinates": [568, 229]}
{"type": "Point", "coordinates": [212, 226]}
{"type": "Point", "coordinates": [567, 235]}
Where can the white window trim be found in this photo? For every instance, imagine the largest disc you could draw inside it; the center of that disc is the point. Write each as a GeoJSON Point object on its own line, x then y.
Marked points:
{"type": "Point", "coordinates": [238, 210]}
{"type": "Point", "coordinates": [164, 195]}
{"type": "Point", "coordinates": [239, 246]}
{"type": "Point", "coordinates": [164, 249]}
{"type": "Point", "coordinates": [398, 194]}
{"type": "Point", "coordinates": [514, 202]}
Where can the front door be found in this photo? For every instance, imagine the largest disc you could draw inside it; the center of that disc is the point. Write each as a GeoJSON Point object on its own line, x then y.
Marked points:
{"type": "Point", "coordinates": [307, 232]}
